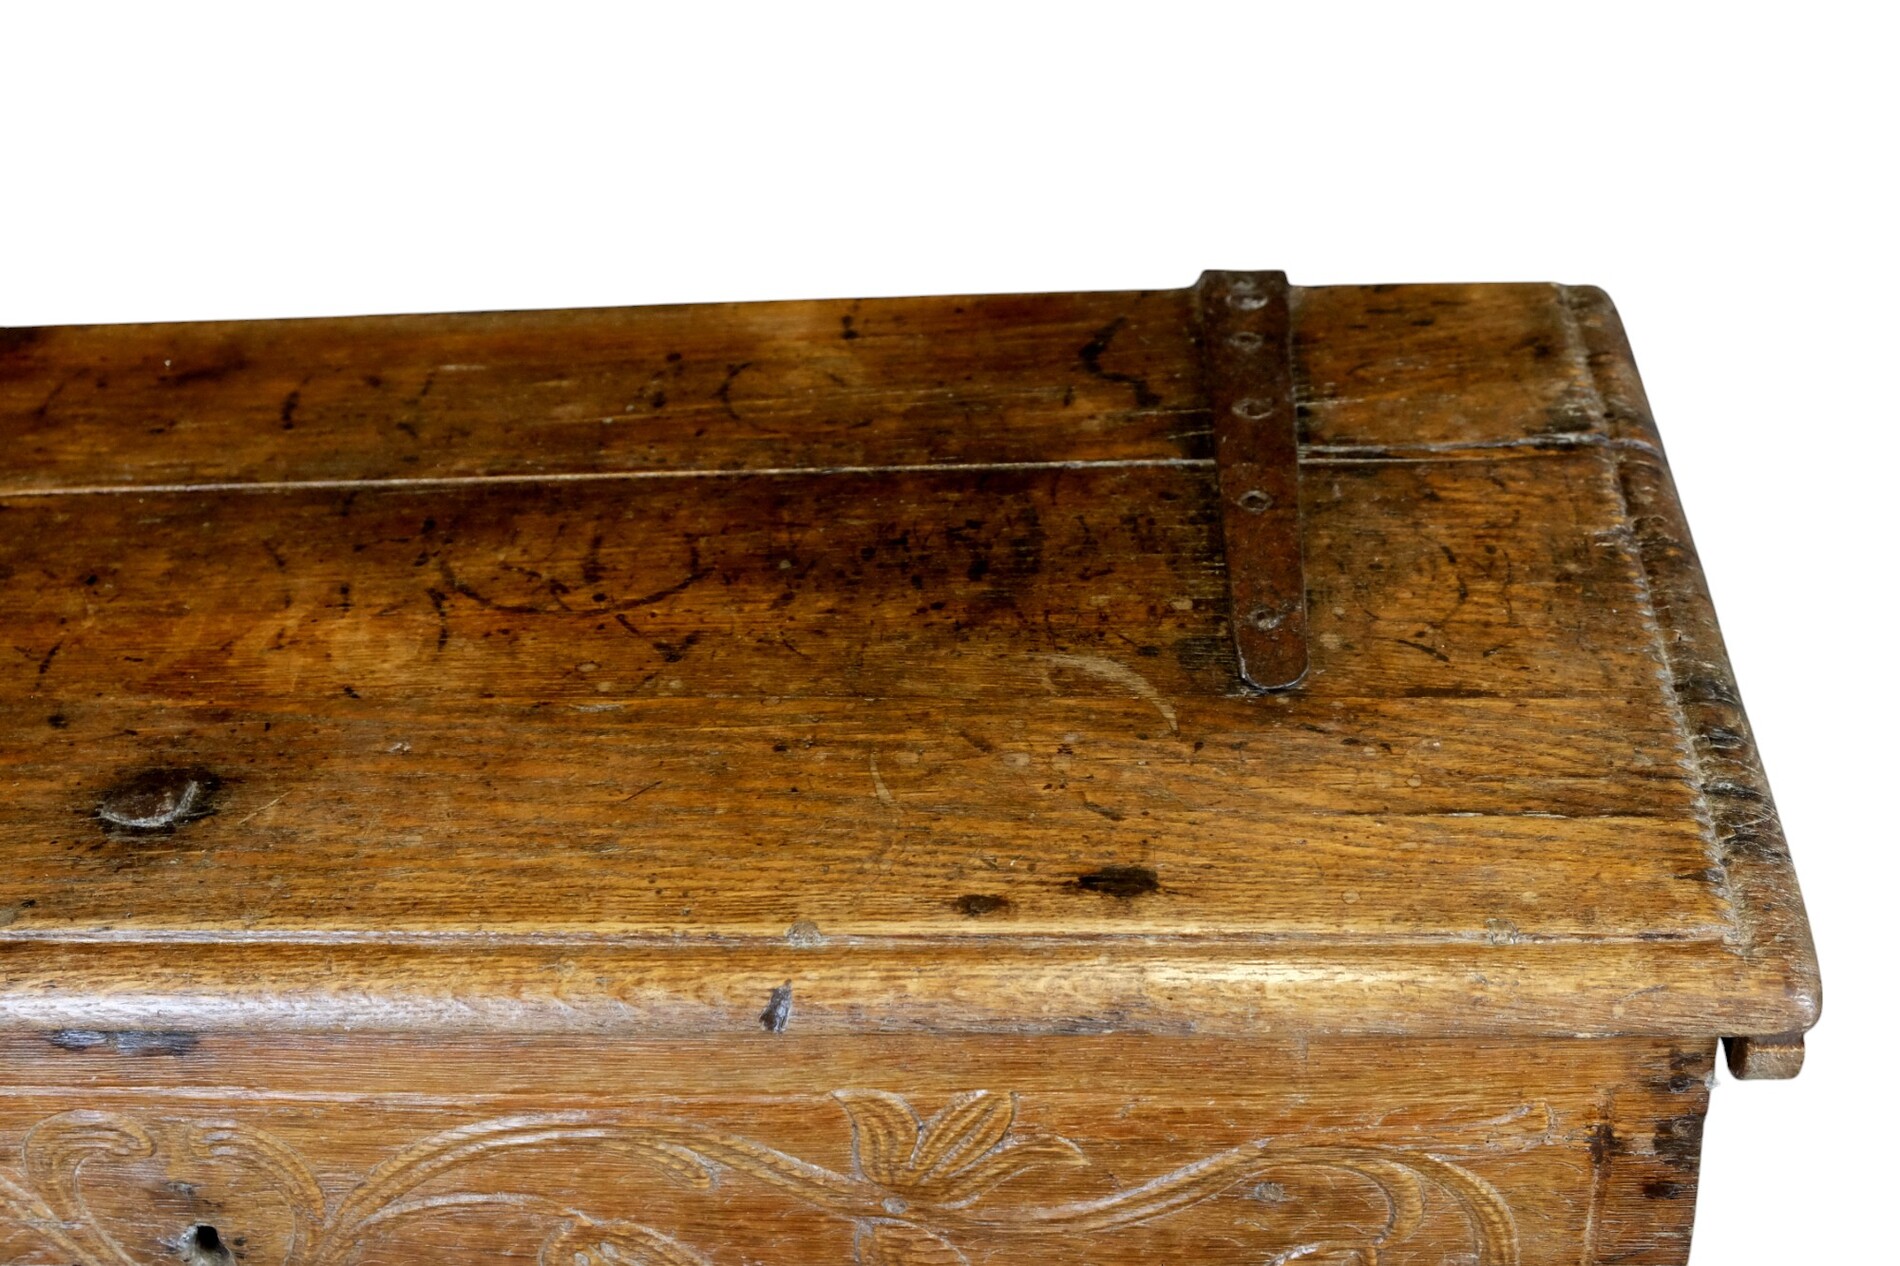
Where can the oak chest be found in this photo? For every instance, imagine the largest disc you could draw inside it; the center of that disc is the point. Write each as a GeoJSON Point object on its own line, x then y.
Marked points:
{"type": "Point", "coordinates": [1239, 774]}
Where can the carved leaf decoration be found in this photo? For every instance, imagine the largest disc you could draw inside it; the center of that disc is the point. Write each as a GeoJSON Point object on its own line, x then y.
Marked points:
{"type": "Point", "coordinates": [1402, 1188]}
{"type": "Point", "coordinates": [972, 1124]}
{"type": "Point", "coordinates": [587, 1243]}
{"type": "Point", "coordinates": [951, 1159]}
{"type": "Point", "coordinates": [884, 1134]}
{"type": "Point", "coordinates": [440, 1153]}
{"type": "Point", "coordinates": [975, 1179]}
{"type": "Point", "coordinates": [54, 1152]}
{"type": "Point", "coordinates": [280, 1167]}
{"type": "Point", "coordinates": [891, 1243]}
{"type": "Point", "coordinates": [1495, 1230]}
{"type": "Point", "coordinates": [915, 1183]}
{"type": "Point", "coordinates": [19, 1207]}
{"type": "Point", "coordinates": [677, 1162]}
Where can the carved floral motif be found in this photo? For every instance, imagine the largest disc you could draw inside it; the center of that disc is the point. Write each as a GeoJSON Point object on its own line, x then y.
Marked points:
{"type": "Point", "coordinates": [917, 1188]}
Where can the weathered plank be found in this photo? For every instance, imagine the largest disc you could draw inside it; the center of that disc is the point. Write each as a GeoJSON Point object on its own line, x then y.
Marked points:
{"type": "Point", "coordinates": [979, 703]}
{"type": "Point", "coordinates": [772, 782]}
{"type": "Point", "coordinates": [920, 687]}
{"type": "Point", "coordinates": [1088, 377]}
{"type": "Point", "coordinates": [819, 384]}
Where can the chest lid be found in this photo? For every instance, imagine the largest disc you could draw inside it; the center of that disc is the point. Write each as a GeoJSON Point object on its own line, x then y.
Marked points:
{"type": "Point", "coordinates": [876, 665]}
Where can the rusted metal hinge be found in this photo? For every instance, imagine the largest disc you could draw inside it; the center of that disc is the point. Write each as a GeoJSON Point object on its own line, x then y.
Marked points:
{"type": "Point", "coordinates": [1247, 364]}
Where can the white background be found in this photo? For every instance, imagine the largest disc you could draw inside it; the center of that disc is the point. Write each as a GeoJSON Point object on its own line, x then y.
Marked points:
{"type": "Point", "coordinates": [1726, 173]}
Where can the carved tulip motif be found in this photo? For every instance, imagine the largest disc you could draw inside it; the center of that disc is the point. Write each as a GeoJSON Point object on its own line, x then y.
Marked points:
{"type": "Point", "coordinates": [947, 1162]}
{"type": "Point", "coordinates": [950, 1160]}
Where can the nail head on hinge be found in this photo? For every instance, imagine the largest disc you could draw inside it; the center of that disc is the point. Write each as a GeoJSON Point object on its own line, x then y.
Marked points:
{"type": "Point", "coordinates": [1255, 501]}
{"type": "Point", "coordinates": [1267, 619]}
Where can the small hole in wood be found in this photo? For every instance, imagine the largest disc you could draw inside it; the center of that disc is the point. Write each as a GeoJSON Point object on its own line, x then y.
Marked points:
{"type": "Point", "coordinates": [1254, 501]}
{"type": "Point", "coordinates": [1253, 407]}
{"type": "Point", "coordinates": [203, 1246]}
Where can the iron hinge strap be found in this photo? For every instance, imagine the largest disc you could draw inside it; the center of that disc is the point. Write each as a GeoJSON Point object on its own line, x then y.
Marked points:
{"type": "Point", "coordinates": [1247, 366]}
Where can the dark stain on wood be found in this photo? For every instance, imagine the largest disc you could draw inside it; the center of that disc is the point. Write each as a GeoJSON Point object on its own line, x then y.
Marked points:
{"type": "Point", "coordinates": [975, 905]}
{"type": "Point", "coordinates": [1092, 352]}
{"type": "Point", "coordinates": [217, 364]}
{"type": "Point", "coordinates": [125, 1041]}
{"type": "Point", "coordinates": [1678, 1141]}
{"type": "Point", "coordinates": [1122, 882]}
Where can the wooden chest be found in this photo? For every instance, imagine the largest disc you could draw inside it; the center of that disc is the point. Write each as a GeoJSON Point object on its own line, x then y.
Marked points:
{"type": "Point", "coordinates": [1242, 774]}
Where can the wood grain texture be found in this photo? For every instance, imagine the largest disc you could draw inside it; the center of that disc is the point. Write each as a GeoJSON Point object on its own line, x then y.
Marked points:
{"type": "Point", "coordinates": [692, 685]}
{"type": "Point", "coordinates": [527, 394]}
{"type": "Point", "coordinates": [772, 783]}
{"type": "Point", "coordinates": [777, 1149]}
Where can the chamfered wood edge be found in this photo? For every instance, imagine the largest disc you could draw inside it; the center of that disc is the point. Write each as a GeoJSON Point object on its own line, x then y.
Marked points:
{"type": "Point", "coordinates": [1747, 843]}
{"type": "Point", "coordinates": [1128, 985]}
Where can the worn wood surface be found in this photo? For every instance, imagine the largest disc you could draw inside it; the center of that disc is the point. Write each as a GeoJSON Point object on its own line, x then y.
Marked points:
{"type": "Point", "coordinates": [682, 737]}
{"type": "Point", "coordinates": [787, 1149]}
{"type": "Point", "coordinates": [506, 663]}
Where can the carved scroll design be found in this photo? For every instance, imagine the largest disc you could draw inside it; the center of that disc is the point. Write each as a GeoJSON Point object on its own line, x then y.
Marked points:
{"type": "Point", "coordinates": [917, 1186]}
